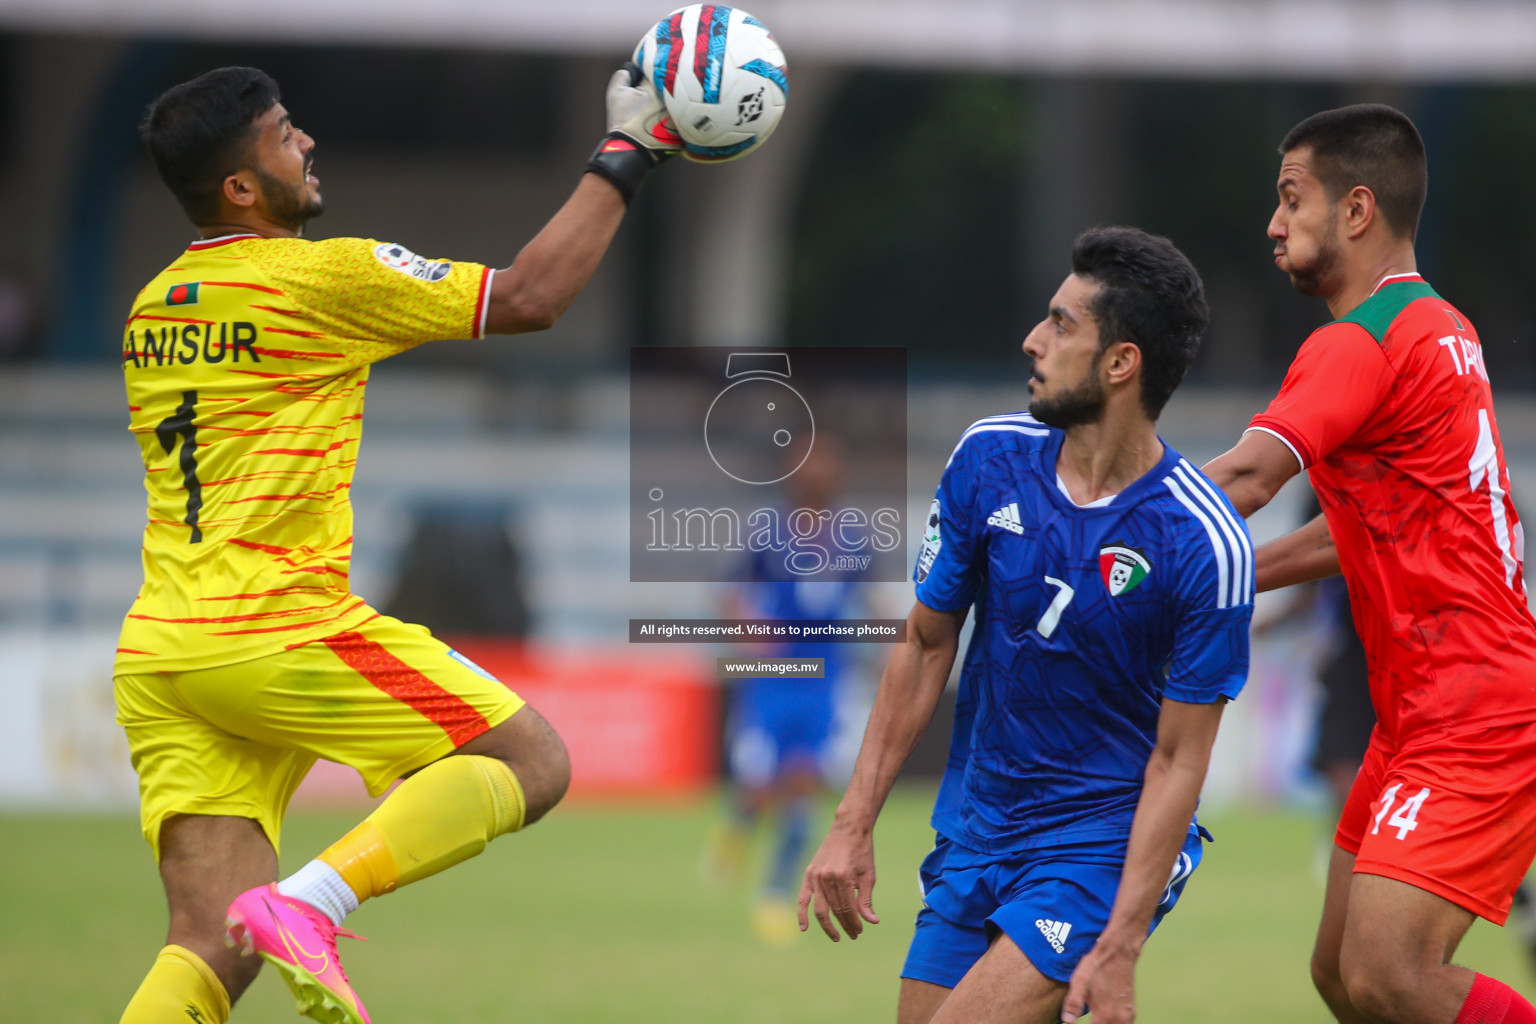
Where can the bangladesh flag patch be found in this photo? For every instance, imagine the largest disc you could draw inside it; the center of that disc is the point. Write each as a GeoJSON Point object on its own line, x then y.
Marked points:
{"type": "Point", "coordinates": [182, 294]}
{"type": "Point", "coordinates": [1123, 568]}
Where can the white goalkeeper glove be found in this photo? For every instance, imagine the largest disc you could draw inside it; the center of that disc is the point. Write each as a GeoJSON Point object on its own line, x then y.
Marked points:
{"type": "Point", "coordinates": [640, 135]}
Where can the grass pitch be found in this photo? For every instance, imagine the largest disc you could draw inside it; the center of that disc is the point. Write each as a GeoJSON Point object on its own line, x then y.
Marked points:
{"type": "Point", "coordinates": [600, 914]}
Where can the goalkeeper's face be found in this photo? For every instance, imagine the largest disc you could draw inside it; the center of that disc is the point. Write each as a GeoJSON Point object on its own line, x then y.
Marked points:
{"type": "Point", "coordinates": [282, 158]}
{"type": "Point", "coordinates": [1067, 386]}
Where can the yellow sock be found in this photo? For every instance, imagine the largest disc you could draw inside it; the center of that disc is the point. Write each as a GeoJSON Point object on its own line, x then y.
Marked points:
{"type": "Point", "coordinates": [179, 988]}
{"type": "Point", "coordinates": [442, 815]}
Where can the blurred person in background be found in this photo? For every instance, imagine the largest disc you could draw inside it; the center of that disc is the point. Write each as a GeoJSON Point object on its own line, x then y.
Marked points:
{"type": "Point", "coordinates": [17, 318]}
{"type": "Point", "coordinates": [245, 656]}
{"type": "Point", "coordinates": [781, 731]}
{"type": "Point", "coordinates": [1390, 410]}
{"type": "Point", "coordinates": [1113, 590]}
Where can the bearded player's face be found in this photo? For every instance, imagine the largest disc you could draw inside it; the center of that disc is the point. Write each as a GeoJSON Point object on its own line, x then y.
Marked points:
{"type": "Point", "coordinates": [1305, 227]}
{"type": "Point", "coordinates": [1066, 389]}
{"type": "Point", "coordinates": [281, 160]}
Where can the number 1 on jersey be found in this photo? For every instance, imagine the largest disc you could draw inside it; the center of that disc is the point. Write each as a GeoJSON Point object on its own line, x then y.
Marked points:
{"type": "Point", "coordinates": [1484, 465]}
{"type": "Point", "coordinates": [1048, 622]}
{"type": "Point", "coordinates": [180, 426]}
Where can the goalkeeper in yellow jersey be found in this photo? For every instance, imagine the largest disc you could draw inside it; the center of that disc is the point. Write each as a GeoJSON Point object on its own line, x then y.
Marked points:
{"type": "Point", "coordinates": [245, 656]}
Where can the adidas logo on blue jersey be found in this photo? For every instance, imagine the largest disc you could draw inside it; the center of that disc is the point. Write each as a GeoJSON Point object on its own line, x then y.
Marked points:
{"type": "Point", "coordinates": [1007, 518]}
{"type": "Point", "coordinates": [1055, 933]}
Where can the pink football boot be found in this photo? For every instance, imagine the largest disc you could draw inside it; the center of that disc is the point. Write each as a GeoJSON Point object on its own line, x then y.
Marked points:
{"type": "Point", "coordinates": [300, 942]}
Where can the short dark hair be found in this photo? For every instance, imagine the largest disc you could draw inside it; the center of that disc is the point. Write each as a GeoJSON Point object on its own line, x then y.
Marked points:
{"type": "Point", "coordinates": [1149, 295]}
{"type": "Point", "coordinates": [198, 133]}
{"type": "Point", "coordinates": [1368, 144]}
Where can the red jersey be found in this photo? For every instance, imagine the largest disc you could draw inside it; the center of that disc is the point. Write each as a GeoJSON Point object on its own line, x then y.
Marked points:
{"type": "Point", "coordinates": [1390, 410]}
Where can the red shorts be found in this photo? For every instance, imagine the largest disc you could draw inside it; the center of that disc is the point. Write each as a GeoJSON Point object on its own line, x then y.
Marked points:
{"type": "Point", "coordinates": [1453, 815]}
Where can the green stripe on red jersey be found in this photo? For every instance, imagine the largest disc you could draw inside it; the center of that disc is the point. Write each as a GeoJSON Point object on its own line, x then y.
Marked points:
{"type": "Point", "coordinates": [1376, 313]}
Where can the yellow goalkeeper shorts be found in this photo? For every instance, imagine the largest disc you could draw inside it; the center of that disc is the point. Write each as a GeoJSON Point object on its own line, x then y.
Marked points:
{"type": "Point", "coordinates": [385, 698]}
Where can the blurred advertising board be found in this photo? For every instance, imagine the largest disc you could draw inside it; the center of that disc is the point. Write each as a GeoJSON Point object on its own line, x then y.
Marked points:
{"type": "Point", "coordinates": [636, 726]}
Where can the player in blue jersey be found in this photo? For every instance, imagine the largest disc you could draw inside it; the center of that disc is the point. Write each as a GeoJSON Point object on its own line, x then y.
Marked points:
{"type": "Point", "coordinates": [1113, 587]}
{"type": "Point", "coordinates": [781, 730]}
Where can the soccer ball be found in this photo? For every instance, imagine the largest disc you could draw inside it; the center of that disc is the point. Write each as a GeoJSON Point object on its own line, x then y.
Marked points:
{"type": "Point", "coordinates": [721, 75]}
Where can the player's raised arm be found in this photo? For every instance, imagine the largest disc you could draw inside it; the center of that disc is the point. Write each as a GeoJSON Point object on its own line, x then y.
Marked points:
{"type": "Point", "coordinates": [1105, 980]}
{"type": "Point", "coordinates": [556, 265]}
{"type": "Point", "coordinates": [841, 877]}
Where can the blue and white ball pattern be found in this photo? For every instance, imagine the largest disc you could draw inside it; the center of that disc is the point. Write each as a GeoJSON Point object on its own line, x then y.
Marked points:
{"type": "Point", "coordinates": [721, 75]}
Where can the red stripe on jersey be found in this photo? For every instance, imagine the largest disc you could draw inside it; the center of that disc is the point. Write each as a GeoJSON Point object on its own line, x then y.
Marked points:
{"type": "Point", "coordinates": [271, 549]}
{"type": "Point", "coordinates": [302, 496]}
{"type": "Point", "coordinates": [300, 451]}
{"type": "Point", "coordinates": [249, 617]}
{"type": "Point", "coordinates": [172, 319]}
{"type": "Point", "coordinates": [450, 712]}
{"type": "Point", "coordinates": [214, 243]}
{"type": "Point", "coordinates": [297, 588]}
{"type": "Point", "coordinates": [290, 353]}
{"type": "Point", "coordinates": [318, 570]}
{"type": "Point", "coordinates": [295, 314]}
{"type": "Point", "coordinates": [243, 284]}
{"type": "Point", "coordinates": [130, 650]}
{"type": "Point", "coordinates": [300, 334]}
{"type": "Point", "coordinates": [309, 624]}
{"type": "Point", "coordinates": [306, 643]}
{"type": "Point", "coordinates": [284, 376]}
{"type": "Point", "coordinates": [482, 302]}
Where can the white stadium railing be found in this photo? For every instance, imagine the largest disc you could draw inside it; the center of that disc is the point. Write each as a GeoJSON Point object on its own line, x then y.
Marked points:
{"type": "Point", "coordinates": [1422, 40]}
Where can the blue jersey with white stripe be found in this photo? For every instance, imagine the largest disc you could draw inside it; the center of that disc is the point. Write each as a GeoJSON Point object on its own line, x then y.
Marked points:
{"type": "Point", "coordinates": [1086, 618]}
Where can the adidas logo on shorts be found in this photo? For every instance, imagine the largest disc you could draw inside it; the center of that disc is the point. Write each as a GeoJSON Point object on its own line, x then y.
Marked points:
{"type": "Point", "coordinates": [1007, 518]}
{"type": "Point", "coordinates": [1055, 933]}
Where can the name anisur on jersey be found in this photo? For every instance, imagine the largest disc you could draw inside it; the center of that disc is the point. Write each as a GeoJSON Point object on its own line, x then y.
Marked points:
{"type": "Point", "coordinates": [190, 342]}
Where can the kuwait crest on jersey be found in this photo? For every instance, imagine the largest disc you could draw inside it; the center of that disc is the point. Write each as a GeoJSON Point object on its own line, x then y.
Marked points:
{"type": "Point", "coordinates": [1123, 568]}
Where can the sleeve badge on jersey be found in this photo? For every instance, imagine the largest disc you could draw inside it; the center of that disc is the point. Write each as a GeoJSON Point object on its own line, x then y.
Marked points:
{"type": "Point", "coordinates": [398, 257]}
{"type": "Point", "coordinates": [931, 542]}
{"type": "Point", "coordinates": [1123, 568]}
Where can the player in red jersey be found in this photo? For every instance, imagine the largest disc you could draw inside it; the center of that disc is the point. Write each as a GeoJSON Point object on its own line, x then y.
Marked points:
{"type": "Point", "coordinates": [1389, 409]}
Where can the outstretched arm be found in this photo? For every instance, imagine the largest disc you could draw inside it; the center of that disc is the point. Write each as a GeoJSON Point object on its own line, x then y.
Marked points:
{"type": "Point", "coordinates": [1175, 772]}
{"type": "Point", "coordinates": [840, 880]}
{"type": "Point", "coordinates": [551, 271]}
{"type": "Point", "coordinates": [556, 265]}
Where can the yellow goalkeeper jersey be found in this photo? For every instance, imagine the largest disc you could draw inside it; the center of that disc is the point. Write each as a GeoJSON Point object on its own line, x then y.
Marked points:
{"type": "Point", "coordinates": [246, 364]}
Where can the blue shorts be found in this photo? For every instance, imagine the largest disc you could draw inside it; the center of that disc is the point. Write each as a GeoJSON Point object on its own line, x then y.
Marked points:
{"type": "Point", "coordinates": [780, 725]}
{"type": "Point", "coordinates": [1052, 902]}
